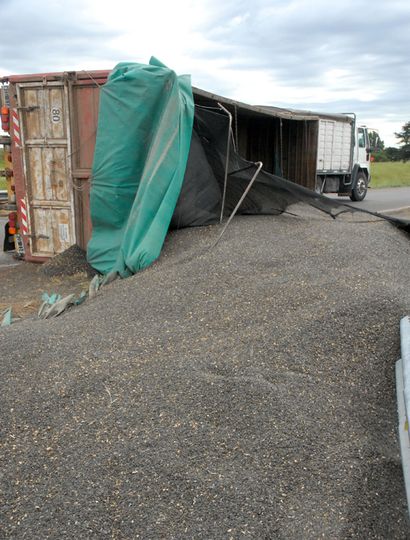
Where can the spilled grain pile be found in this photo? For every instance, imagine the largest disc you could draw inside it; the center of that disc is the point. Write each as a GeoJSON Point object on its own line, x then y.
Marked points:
{"type": "Point", "coordinates": [68, 263]}
{"type": "Point", "coordinates": [245, 391]}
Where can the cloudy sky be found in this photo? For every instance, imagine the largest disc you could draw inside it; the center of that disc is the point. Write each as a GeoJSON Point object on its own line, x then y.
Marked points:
{"type": "Point", "coordinates": [345, 56]}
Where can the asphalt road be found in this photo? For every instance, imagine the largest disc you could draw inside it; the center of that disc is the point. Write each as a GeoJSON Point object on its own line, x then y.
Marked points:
{"type": "Point", "coordinates": [381, 200]}
{"type": "Point", "coordinates": [6, 259]}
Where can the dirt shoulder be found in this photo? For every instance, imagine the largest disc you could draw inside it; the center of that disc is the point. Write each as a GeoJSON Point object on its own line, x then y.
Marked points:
{"type": "Point", "coordinates": [22, 283]}
{"type": "Point", "coordinates": [22, 286]}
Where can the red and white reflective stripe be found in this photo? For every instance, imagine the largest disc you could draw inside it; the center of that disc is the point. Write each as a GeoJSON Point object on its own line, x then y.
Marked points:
{"type": "Point", "coordinates": [16, 127]}
{"type": "Point", "coordinates": [23, 216]}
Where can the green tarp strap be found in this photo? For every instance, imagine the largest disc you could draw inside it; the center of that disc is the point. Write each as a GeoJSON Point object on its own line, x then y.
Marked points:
{"type": "Point", "coordinates": [143, 139]}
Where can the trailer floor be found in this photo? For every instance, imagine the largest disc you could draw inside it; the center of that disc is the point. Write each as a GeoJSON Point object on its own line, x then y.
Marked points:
{"type": "Point", "coordinates": [246, 391]}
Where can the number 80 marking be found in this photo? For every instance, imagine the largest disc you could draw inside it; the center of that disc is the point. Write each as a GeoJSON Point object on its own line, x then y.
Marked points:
{"type": "Point", "coordinates": [55, 115]}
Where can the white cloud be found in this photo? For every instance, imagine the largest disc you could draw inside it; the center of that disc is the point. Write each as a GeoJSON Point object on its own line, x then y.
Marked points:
{"type": "Point", "coordinates": [315, 55]}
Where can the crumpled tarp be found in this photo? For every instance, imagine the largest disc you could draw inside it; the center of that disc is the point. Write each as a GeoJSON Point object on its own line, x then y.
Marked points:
{"type": "Point", "coordinates": [143, 139]}
{"type": "Point", "coordinates": [160, 163]}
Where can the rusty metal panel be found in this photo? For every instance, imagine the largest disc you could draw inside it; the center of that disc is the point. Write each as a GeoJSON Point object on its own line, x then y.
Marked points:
{"type": "Point", "coordinates": [44, 115]}
{"type": "Point", "coordinates": [98, 74]}
{"type": "Point", "coordinates": [82, 214]}
{"type": "Point", "coordinates": [84, 105]}
{"type": "Point", "coordinates": [84, 118]}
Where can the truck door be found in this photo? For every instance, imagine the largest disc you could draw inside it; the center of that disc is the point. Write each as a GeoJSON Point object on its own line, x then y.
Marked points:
{"type": "Point", "coordinates": [43, 108]}
{"type": "Point", "coordinates": [363, 156]}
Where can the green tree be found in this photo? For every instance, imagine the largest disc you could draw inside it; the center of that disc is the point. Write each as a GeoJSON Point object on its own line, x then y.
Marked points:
{"type": "Point", "coordinates": [375, 141]}
{"type": "Point", "coordinates": [392, 153]}
{"type": "Point", "coordinates": [404, 141]}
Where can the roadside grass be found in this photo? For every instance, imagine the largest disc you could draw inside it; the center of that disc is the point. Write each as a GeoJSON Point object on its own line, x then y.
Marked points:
{"type": "Point", "coordinates": [390, 174]}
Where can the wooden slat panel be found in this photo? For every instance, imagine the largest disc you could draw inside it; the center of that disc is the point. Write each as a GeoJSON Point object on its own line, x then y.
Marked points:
{"type": "Point", "coordinates": [47, 171]}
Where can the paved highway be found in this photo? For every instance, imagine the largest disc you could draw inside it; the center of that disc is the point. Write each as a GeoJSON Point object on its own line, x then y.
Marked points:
{"type": "Point", "coordinates": [382, 200]}
{"type": "Point", "coordinates": [6, 259]}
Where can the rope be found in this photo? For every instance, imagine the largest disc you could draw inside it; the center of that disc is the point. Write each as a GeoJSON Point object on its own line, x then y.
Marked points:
{"type": "Point", "coordinates": [91, 77]}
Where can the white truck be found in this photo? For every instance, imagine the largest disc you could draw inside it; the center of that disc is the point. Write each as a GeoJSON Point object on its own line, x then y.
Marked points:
{"type": "Point", "coordinates": [343, 158]}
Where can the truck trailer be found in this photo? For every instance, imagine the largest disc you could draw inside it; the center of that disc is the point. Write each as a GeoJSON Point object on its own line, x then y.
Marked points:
{"type": "Point", "coordinates": [328, 153]}
{"type": "Point", "coordinates": [52, 121]}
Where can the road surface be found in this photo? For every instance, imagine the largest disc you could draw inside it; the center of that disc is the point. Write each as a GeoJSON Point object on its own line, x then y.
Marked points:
{"type": "Point", "coordinates": [382, 200]}
{"type": "Point", "coordinates": [6, 259]}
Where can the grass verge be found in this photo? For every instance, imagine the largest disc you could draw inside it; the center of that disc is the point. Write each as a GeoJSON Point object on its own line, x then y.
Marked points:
{"type": "Point", "coordinates": [390, 174]}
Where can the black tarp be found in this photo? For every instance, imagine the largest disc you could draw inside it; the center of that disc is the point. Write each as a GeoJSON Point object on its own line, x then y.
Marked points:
{"type": "Point", "coordinates": [201, 196]}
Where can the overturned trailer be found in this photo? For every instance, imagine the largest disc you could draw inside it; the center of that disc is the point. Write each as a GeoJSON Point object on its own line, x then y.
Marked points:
{"type": "Point", "coordinates": [53, 120]}
{"type": "Point", "coordinates": [328, 153]}
{"type": "Point", "coordinates": [53, 125]}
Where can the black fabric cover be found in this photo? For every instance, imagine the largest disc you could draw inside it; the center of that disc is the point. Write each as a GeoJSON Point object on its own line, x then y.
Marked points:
{"type": "Point", "coordinates": [199, 202]}
{"type": "Point", "coordinates": [200, 199]}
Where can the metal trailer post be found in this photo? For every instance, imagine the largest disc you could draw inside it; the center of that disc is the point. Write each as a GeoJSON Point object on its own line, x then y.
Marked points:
{"type": "Point", "coordinates": [226, 161]}
{"type": "Point", "coordinates": [259, 164]}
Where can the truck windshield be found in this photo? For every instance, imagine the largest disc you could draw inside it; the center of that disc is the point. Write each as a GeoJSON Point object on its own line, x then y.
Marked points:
{"type": "Point", "coordinates": [360, 137]}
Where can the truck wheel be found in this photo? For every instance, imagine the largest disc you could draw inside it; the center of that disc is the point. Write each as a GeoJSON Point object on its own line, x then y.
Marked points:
{"type": "Point", "coordinates": [359, 191]}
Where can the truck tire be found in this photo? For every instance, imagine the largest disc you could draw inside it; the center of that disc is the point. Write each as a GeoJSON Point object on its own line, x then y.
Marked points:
{"type": "Point", "coordinates": [360, 189]}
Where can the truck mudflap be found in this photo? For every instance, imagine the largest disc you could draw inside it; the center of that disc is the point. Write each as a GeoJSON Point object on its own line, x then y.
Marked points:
{"type": "Point", "coordinates": [353, 178]}
{"type": "Point", "coordinates": [403, 401]}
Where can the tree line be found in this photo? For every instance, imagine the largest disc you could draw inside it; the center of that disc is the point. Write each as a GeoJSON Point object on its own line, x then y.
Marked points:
{"type": "Point", "coordinates": [380, 153]}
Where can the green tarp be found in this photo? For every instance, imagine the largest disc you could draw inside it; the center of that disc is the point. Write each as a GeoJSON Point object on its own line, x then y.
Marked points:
{"type": "Point", "coordinates": [143, 139]}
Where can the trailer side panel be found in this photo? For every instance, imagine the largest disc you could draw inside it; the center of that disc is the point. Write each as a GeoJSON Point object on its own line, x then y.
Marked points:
{"type": "Point", "coordinates": [334, 147]}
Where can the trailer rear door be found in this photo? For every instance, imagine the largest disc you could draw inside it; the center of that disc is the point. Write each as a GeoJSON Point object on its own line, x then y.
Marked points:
{"type": "Point", "coordinates": [43, 109]}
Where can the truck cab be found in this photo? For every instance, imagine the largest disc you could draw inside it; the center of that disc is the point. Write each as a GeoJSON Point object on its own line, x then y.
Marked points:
{"type": "Point", "coordinates": [361, 158]}
{"type": "Point", "coordinates": [343, 160]}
